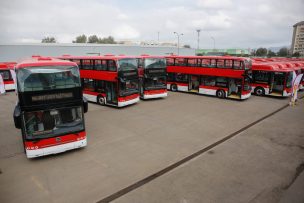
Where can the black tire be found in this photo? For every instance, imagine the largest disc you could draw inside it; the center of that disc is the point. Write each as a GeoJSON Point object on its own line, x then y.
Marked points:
{"type": "Point", "coordinates": [173, 88]}
{"type": "Point", "coordinates": [220, 94]}
{"type": "Point", "coordinates": [259, 91]}
{"type": "Point", "coordinates": [101, 100]}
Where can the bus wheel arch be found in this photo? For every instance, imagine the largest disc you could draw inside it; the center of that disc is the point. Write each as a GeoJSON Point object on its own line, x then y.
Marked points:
{"type": "Point", "coordinates": [220, 94]}
{"type": "Point", "coordinates": [173, 88]}
{"type": "Point", "coordinates": [101, 100]}
{"type": "Point", "coordinates": [259, 91]}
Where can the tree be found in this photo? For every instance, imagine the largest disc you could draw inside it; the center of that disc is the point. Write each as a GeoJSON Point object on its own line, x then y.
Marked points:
{"type": "Point", "coordinates": [107, 40]}
{"type": "Point", "coordinates": [296, 54]}
{"type": "Point", "coordinates": [283, 52]}
{"type": "Point", "coordinates": [187, 46]}
{"type": "Point", "coordinates": [48, 40]}
{"type": "Point", "coordinates": [261, 52]}
{"type": "Point", "coordinates": [81, 39]}
{"type": "Point", "coordinates": [93, 39]}
{"type": "Point", "coordinates": [271, 54]}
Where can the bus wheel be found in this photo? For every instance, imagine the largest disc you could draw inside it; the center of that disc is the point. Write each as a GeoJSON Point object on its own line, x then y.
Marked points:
{"type": "Point", "coordinates": [259, 91]}
{"type": "Point", "coordinates": [220, 94]}
{"type": "Point", "coordinates": [101, 100]}
{"type": "Point", "coordinates": [174, 88]}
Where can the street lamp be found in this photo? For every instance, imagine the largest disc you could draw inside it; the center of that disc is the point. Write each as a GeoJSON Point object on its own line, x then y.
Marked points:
{"type": "Point", "coordinates": [178, 35]}
{"type": "Point", "coordinates": [213, 42]}
{"type": "Point", "coordinates": [198, 36]}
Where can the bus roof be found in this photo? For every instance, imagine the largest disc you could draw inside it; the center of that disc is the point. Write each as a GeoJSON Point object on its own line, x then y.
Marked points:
{"type": "Point", "coordinates": [44, 61]}
{"type": "Point", "coordinates": [270, 66]}
{"type": "Point", "coordinates": [105, 57]}
{"type": "Point", "coordinates": [209, 57]}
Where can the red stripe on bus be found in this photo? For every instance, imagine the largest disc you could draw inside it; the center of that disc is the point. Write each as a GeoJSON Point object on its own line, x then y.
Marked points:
{"type": "Point", "coordinates": [99, 75]}
{"type": "Point", "coordinates": [151, 92]}
{"type": "Point", "coordinates": [127, 98]}
{"type": "Point", "coordinates": [54, 141]}
{"type": "Point", "coordinates": [213, 88]}
{"type": "Point", "coordinates": [9, 82]}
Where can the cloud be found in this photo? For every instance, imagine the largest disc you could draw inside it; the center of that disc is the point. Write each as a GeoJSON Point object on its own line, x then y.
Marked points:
{"type": "Point", "coordinates": [233, 23]}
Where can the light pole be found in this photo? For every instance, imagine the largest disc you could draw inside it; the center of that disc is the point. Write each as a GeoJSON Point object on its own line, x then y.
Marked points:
{"type": "Point", "coordinates": [198, 36]}
{"type": "Point", "coordinates": [158, 38]}
{"type": "Point", "coordinates": [177, 34]}
{"type": "Point", "coordinates": [213, 42]}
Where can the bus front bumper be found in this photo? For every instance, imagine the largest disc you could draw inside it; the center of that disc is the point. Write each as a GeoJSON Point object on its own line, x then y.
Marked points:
{"type": "Point", "coordinates": [32, 153]}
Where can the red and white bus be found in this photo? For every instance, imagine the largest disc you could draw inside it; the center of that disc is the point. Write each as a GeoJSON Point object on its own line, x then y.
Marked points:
{"type": "Point", "coordinates": [272, 78]}
{"type": "Point", "coordinates": [152, 72]}
{"type": "Point", "coordinates": [50, 109]}
{"type": "Point", "coordinates": [221, 76]}
{"type": "Point", "coordinates": [6, 70]}
{"type": "Point", "coordinates": [108, 80]}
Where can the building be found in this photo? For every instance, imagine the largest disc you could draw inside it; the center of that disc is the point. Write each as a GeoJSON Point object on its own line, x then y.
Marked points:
{"type": "Point", "coordinates": [15, 52]}
{"type": "Point", "coordinates": [297, 44]}
{"type": "Point", "coordinates": [221, 52]}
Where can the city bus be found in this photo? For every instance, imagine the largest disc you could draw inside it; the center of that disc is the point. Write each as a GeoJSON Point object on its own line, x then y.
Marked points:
{"type": "Point", "coordinates": [221, 76]}
{"type": "Point", "coordinates": [50, 109]}
{"type": "Point", "coordinates": [152, 77]}
{"type": "Point", "coordinates": [108, 80]}
{"type": "Point", "coordinates": [272, 78]}
{"type": "Point", "coordinates": [6, 71]}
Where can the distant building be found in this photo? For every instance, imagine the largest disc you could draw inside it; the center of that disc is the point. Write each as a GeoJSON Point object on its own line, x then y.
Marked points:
{"type": "Point", "coordinates": [297, 44]}
{"type": "Point", "coordinates": [222, 52]}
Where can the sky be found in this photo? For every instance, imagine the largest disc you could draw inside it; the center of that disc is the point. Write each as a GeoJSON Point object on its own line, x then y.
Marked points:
{"type": "Point", "coordinates": [231, 23]}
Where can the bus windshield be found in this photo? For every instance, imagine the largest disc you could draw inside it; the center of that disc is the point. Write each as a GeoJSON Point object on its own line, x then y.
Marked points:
{"type": "Point", "coordinates": [155, 63]}
{"type": "Point", "coordinates": [155, 83]}
{"type": "Point", "coordinates": [127, 64]}
{"type": "Point", "coordinates": [128, 87]}
{"type": "Point", "coordinates": [54, 122]}
{"type": "Point", "coordinates": [47, 78]}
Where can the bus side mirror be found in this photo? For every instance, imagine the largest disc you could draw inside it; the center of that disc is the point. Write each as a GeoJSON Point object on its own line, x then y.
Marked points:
{"type": "Point", "coordinates": [17, 116]}
{"type": "Point", "coordinates": [85, 105]}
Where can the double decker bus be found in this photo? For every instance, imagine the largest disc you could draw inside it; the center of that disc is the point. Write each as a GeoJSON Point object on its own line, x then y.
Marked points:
{"type": "Point", "coordinates": [152, 72]}
{"type": "Point", "coordinates": [221, 76]}
{"type": "Point", "coordinates": [50, 109]}
{"type": "Point", "coordinates": [6, 69]}
{"type": "Point", "coordinates": [272, 78]}
{"type": "Point", "coordinates": [108, 80]}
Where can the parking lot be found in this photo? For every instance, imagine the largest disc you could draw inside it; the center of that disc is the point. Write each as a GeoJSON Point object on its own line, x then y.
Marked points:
{"type": "Point", "coordinates": [132, 153]}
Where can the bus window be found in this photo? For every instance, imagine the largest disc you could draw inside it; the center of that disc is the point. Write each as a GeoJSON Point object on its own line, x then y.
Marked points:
{"type": "Point", "coordinates": [100, 86]}
{"type": "Point", "coordinates": [87, 64]}
{"type": "Point", "coordinates": [260, 76]}
{"type": "Point", "coordinates": [220, 63]}
{"type": "Point", "coordinates": [192, 62]}
{"type": "Point", "coordinates": [88, 85]}
{"type": "Point", "coordinates": [6, 75]}
{"type": "Point", "coordinates": [221, 82]}
{"type": "Point", "coordinates": [213, 63]}
{"type": "Point", "coordinates": [205, 63]}
{"type": "Point", "coordinates": [170, 61]}
{"type": "Point", "coordinates": [210, 81]}
{"type": "Point", "coordinates": [100, 65]}
{"type": "Point", "coordinates": [237, 64]}
{"type": "Point", "coordinates": [180, 62]}
{"type": "Point", "coordinates": [228, 63]}
{"type": "Point", "coordinates": [181, 77]}
{"type": "Point", "coordinates": [111, 65]}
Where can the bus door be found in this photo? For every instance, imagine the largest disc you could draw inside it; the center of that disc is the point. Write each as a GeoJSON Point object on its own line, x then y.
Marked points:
{"type": "Point", "coordinates": [194, 83]}
{"type": "Point", "coordinates": [271, 81]}
{"type": "Point", "coordinates": [111, 92]}
{"type": "Point", "coordinates": [278, 82]}
{"type": "Point", "coordinates": [234, 87]}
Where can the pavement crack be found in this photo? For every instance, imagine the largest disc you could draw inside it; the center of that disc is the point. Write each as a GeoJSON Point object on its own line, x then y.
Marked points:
{"type": "Point", "coordinates": [286, 145]}
{"type": "Point", "coordinates": [299, 170]}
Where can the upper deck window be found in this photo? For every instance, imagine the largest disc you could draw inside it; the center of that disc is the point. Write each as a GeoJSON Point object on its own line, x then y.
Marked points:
{"type": "Point", "coordinates": [155, 63]}
{"type": "Point", "coordinates": [47, 78]}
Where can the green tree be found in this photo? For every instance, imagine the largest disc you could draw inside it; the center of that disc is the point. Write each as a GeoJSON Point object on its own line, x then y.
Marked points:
{"type": "Point", "coordinates": [187, 46]}
{"type": "Point", "coordinates": [93, 39]}
{"type": "Point", "coordinates": [283, 52]}
{"type": "Point", "coordinates": [48, 40]}
{"type": "Point", "coordinates": [81, 39]}
{"type": "Point", "coordinates": [296, 54]}
{"type": "Point", "coordinates": [270, 54]}
{"type": "Point", "coordinates": [107, 40]}
{"type": "Point", "coordinates": [261, 52]}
